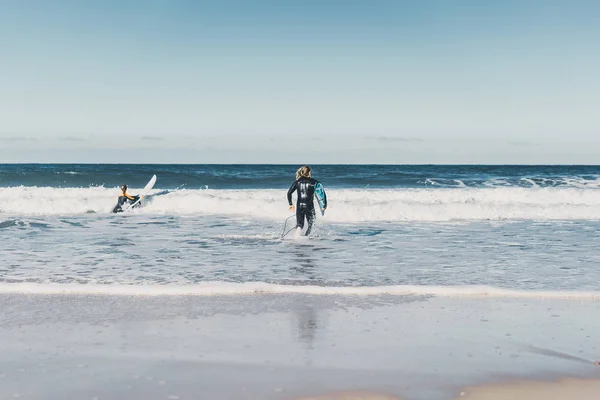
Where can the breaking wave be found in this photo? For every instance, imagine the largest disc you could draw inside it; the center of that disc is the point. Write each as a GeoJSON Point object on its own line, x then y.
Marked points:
{"type": "Point", "coordinates": [345, 205]}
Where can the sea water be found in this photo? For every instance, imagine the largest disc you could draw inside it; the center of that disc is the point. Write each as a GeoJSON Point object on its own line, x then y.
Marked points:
{"type": "Point", "coordinates": [217, 229]}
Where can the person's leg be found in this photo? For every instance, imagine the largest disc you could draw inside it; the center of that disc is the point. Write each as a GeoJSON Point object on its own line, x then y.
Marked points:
{"type": "Point", "coordinates": [310, 216]}
{"type": "Point", "coordinates": [300, 211]}
{"type": "Point", "coordinates": [119, 206]}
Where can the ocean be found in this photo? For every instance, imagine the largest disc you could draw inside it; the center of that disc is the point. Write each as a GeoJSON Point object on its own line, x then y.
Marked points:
{"type": "Point", "coordinates": [217, 228]}
{"type": "Point", "coordinates": [419, 282]}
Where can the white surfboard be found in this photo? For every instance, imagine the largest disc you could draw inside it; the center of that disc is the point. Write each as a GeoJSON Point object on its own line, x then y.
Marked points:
{"type": "Point", "coordinates": [143, 193]}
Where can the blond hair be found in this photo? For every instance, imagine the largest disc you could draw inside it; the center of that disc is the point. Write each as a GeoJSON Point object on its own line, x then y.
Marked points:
{"type": "Point", "coordinates": [303, 172]}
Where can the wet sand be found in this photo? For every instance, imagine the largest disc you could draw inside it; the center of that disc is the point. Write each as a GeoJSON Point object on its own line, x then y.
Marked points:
{"type": "Point", "coordinates": [284, 347]}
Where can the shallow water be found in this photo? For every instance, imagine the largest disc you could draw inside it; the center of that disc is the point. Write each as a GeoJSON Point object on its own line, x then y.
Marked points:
{"type": "Point", "coordinates": [141, 249]}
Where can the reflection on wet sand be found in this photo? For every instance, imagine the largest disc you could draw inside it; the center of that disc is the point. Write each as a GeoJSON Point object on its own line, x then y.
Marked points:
{"type": "Point", "coordinates": [307, 319]}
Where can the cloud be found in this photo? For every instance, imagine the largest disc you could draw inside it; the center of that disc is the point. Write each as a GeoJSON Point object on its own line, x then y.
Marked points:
{"type": "Point", "coordinates": [17, 139]}
{"type": "Point", "coordinates": [71, 139]}
{"type": "Point", "coordinates": [395, 139]}
{"type": "Point", "coordinates": [153, 138]}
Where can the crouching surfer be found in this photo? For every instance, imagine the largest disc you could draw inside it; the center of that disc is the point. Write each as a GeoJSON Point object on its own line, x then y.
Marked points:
{"type": "Point", "coordinates": [305, 206]}
{"type": "Point", "coordinates": [123, 198]}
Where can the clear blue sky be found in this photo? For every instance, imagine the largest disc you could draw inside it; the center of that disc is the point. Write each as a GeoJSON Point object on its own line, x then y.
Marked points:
{"type": "Point", "coordinates": [373, 81]}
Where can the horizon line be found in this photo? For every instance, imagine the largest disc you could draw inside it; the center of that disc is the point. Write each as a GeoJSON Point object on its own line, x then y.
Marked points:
{"type": "Point", "coordinates": [289, 164]}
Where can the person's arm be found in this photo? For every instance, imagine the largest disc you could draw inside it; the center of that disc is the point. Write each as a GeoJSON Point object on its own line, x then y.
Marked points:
{"type": "Point", "coordinates": [128, 196]}
{"type": "Point", "coordinates": [290, 192]}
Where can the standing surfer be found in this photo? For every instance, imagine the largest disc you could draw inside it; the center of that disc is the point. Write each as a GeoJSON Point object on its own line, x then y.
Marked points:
{"type": "Point", "coordinates": [123, 198]}
{"type": "Point", "coordinates": [305, 207]}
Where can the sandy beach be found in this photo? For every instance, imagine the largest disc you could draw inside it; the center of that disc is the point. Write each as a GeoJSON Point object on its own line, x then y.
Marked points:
{"type": "Point", "coordinates": [522, 390]}
{"type": "Point", "coordinates": [284, 347]}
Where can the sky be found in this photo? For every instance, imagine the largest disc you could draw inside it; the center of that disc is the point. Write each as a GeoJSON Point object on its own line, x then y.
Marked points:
{"type": "Point", "coordinates": [265, 81]}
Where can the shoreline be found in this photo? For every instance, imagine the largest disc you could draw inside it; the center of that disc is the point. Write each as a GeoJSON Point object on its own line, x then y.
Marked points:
{"type": "Point", "coordinates": [219, 288]}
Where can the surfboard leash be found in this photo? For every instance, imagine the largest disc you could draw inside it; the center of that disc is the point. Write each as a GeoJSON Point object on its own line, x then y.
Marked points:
{"type": "Point", "coordinates": [285, 226]}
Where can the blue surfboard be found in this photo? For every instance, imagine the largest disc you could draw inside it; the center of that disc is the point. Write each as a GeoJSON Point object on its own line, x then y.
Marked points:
{"type": "Point", "coordinates": [320, 195]}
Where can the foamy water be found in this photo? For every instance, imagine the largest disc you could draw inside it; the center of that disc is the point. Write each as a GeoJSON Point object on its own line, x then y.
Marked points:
{"type": "Point", "coordinates": [226, 255]}
{"type": "Point", "coordinates": [254, 288]}
{"type": "Point", "coordinates": [346, 205]}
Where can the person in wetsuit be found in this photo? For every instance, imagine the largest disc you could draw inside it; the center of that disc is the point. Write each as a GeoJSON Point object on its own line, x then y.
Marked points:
{"type": "Point", "coordinates": [305, 206]}
{"type": "Point", "coordinates": [123, 198]}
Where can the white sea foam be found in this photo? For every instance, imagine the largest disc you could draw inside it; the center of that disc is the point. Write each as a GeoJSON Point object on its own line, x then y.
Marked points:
{"type": "Point", "coordinates": [257, 288]}
{"type": "Point", "coordinates": [345, 205]}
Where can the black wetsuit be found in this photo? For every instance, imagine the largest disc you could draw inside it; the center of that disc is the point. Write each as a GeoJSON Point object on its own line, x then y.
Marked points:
{"type": "Point", "coordinates": [123, 198]}
{"type": "Point", "coordinates": [305, 206]}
